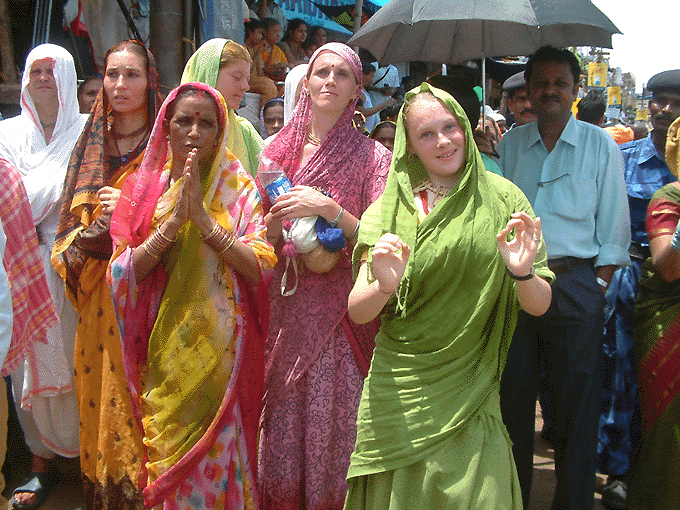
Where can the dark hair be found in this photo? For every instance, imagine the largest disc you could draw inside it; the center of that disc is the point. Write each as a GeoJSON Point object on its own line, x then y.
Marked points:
{"type": "Point", "coordinates": [292, 26]}
{"type": "Point", "coordinates": [269, 22]}
{"type": "Point", "coordinates": [511, 92]}
{"type": "Point", "coordinates": [591, 108]}
{"type": "Point", "coordinates": [390, 112]}
{"type": "Point", "coordinates": [133, 46]}
{"type": "Point", "coordinates": [462, 93]}
{"type": "Point", "coordinates": [276, 101]}
{"type": "Point", "coordinates": [313, 30]}
{"type": "Point", "coordinates": [551, 54]}
{"type": "Point", "coordinates": [367, 68]}
{"type": "Point", "coordinates": [252, 25]}
{"type": "Point", "coordinates": [88, 79]}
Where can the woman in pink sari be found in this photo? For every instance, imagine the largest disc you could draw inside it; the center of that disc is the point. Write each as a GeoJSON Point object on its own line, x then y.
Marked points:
{"type": "Point", "coordinates": [316, 357]}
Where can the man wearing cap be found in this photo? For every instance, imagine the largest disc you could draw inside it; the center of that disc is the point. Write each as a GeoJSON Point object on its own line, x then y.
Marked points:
{"type": "Point", "coordinates": [572, 174]}
{"type": "Point", "coordinates": [518, 99]}
{"type": "Point", "coordinates": [645, 172]}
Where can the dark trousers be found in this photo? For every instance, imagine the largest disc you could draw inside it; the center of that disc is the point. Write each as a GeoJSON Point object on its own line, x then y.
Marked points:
{"type": "Point", "coordinates": [568, 338]}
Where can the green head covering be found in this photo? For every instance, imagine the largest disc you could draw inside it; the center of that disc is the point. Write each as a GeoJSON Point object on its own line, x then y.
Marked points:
{"type": "Point", "coordinates": [399, 213]}
{"type": "Point", "coordinates": [204, 64]}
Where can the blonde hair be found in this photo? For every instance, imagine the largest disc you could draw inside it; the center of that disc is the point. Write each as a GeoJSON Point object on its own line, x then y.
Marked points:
{"type": "Point", "coordinates": [232, 52]}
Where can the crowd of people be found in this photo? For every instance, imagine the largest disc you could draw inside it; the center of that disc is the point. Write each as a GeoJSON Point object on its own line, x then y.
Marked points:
{"type": "Point", "coordinates": [355, 305]}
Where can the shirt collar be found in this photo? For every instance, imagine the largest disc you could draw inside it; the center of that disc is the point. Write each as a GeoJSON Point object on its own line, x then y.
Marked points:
{"type": "Point", "coordinates": [569, 133]}
{"type": "Point", "coordinates": [648, 151]}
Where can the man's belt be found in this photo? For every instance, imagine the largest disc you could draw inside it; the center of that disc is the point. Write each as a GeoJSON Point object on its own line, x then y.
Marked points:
{"type": "Point", "coordinates": [563, 265]}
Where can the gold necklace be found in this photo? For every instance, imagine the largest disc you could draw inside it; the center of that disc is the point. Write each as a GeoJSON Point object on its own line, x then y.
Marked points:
{"type": "Point", "coordinates": [437, 189]}
{"type": "Point", "coordinates": [311, 139]}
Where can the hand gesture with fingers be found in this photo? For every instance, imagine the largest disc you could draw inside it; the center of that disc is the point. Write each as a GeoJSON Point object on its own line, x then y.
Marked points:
{"type": "Point", "coordinates": [108, 197]}
{"type": "Point", "coordinates": [520, 253]}
{"type": "Point", "coordinates": [194, 191]}
{"type": "Point", "coordinates": [180, 213]}
{"type": "Point", "coordinates": [390, 256]}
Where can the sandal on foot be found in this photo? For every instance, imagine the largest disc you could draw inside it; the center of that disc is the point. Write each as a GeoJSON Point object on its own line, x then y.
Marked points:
{"type": "Point", "coordinates": [35, 483]}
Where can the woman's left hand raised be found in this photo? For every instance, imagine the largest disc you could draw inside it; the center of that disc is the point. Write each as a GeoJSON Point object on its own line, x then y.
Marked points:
{"type": "Point", "coordinates": [301, 201]}
{"type": "Point", "coordinates": [520, 253]}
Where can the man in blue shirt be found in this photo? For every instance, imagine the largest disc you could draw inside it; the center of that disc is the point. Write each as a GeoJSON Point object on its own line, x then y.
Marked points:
{"type": "Point", "coordinates": [646, 172]}
{"type": "Point", "coordinates": [572, 174]}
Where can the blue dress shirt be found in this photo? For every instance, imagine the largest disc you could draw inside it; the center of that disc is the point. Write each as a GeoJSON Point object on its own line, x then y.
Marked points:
{"type": "Point", "coordinates": [646, 172]}
{"type": "Point", "coordinates": [578, 190]}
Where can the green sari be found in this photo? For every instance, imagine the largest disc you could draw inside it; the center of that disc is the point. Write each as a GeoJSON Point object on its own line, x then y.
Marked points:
{"type": "Point", "coordinates": [430, 402]}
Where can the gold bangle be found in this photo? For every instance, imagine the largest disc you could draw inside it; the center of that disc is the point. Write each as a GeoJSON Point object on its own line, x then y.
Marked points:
{"type": "Point", "coordinates": [166, 238]}
{"type": "Point", "coordinates": [213, 233]}
{"type": "Point", "coordinates": [230, 243]}
{"type": "Point", "coordinates": [151, 250]}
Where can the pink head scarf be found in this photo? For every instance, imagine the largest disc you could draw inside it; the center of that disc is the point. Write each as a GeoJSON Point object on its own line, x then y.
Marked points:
{"type": "Point", "coordinates": [132, 218]}
{"type": "Point", "coordinates": [341, 140]}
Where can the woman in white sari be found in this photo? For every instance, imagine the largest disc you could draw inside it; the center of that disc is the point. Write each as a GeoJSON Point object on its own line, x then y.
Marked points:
{"type": "Point", "coordinates": [38, 143]}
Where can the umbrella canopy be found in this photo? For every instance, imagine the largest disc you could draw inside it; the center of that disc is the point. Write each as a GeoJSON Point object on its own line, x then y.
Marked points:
{"type": "Point", "coordinates": [452, 31]}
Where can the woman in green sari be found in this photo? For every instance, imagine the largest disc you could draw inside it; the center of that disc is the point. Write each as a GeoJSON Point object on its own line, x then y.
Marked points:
{"type": "Point", "coordinates": [446, 255]}
{"type": "Point", "coordinates": [225, 66]}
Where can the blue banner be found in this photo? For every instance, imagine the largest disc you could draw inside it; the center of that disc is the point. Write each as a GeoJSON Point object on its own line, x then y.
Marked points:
{"type": "Point", "coordinates": [312, 15]}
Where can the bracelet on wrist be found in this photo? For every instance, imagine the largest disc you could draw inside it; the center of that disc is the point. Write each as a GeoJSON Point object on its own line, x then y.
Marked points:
{"type": "Point", "coordinates": [356, 230]}
{"type": "Point", "coordinates": [157, 243]}
{"type": "Point", "coordinates": [602, 283]}
{"type": "Point", "coordinates": [521, 278]}
{"type": "Point", "coordinates": [335, 222]}
{"type": "Point", "coordinates": [213, 233]}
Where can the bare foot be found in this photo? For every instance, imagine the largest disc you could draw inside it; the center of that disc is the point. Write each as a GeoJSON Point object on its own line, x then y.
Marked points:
{"type": "Point", "coordinates": [38, 465]}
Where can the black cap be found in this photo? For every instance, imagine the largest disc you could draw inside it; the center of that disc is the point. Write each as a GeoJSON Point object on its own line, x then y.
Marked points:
{"type": "Point", "coordinates": [666, 80]}
{"type": "Point", "coordinates": [516, 81]}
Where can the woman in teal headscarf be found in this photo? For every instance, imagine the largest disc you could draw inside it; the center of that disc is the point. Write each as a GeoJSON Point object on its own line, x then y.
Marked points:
{"type": "Point", "coordinates": [225, 65]}
{"type": "Point", "coordinates": [446, 255]}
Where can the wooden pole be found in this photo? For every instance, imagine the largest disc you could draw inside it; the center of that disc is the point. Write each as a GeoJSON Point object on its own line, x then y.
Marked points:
{"type": "Point", "coordinates": [166, 23]}
{"type": "Point", "coordinates": [9, 72]}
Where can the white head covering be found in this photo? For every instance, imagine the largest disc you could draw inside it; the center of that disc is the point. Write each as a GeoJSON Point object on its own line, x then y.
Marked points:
{"type": "Point", "coordinates": [292, 81]}
{"type": "Point", "coordinates": [22, 139]}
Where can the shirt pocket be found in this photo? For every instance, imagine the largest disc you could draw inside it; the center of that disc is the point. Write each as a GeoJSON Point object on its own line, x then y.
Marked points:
{"type": "Point", "coordinates": [569, 197]}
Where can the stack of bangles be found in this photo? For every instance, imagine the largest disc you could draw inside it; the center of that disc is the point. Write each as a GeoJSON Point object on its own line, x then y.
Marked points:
{"type": "Point", "coordinates": [219, 239]}
{"type": "Point", "coordinates": [157, 243]}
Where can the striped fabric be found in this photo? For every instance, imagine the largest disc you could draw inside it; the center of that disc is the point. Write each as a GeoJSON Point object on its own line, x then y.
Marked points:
{"type": "Point", "coordinates": [32, 303]}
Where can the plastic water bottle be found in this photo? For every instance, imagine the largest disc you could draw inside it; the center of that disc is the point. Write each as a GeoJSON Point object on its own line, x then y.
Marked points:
{"type": "Point", "coordinates": [273, 179]}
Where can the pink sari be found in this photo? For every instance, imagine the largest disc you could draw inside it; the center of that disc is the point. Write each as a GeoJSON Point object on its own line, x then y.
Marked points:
{"type": "Point", "coordinates": [316, 357]}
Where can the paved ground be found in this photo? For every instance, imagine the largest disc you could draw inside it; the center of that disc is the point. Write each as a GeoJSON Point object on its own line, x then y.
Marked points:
{"type": "Point", "coordinates": [68, 494]}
